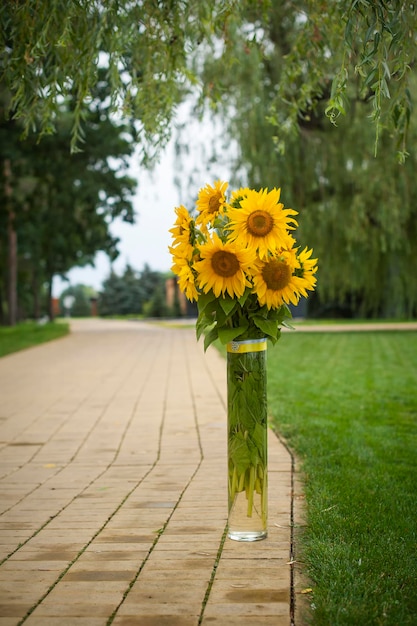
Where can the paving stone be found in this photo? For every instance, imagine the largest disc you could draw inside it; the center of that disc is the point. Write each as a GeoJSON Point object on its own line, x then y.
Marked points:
{"type": "Point", "coordinates": [15, 609]}
{"type": "Point", "coordinates": [31, 567]}
{"type": "Point", "coordinates": [253, 607]}
{"type": "Point", "coordinates": [64, 621]}
{"type": "Point", "coordinates": [246, 620]}
{"type": "Point", "coordinates": [179, 619]}
{"type": "Point", "coordinates": [7, 621]}
{"type": "Point", "coordinates": [102, 606]}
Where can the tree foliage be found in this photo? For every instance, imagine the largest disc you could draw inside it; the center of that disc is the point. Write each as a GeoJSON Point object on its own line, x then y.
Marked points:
{"type": "Point", "coordinates": [362, 50]}
{"type": "Point", "coordinates": [81, 300]}
{"type": "Point", "coordinates": [357, 208]}
{"type": "Point", "coordinates": [62, 204]}
{"type": "Point", "coordinates": [133, 293]}
{"type": "Point", "coordinates": [53, 48]}
{"type": "Point", "coordinates": [328, 48]}
{"type": "Point", "coordinates": [329, 52]}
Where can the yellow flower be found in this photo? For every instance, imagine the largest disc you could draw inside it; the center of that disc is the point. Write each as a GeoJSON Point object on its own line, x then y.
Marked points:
{"type": "Point", "coordinates": [181, 232]}
{"type": "Point", "coordinates": [186, 282]}
{"type": "Point", "coordinates": [182, 253]}
{"type": "Point", "coordinates": [182, 256]}
{"type": "Point", "coordinates": [274, 282]}
{"type": "Point", "coordinates": [305, 273]}
{"type": "Point", "coordinates": [261, 222]}
{"type": "Point", "coordinates": [237, 196]}
{"type": "Point", "coordinates": [210, 202]}
{"type": "Point", "coordinates": [222, 267]}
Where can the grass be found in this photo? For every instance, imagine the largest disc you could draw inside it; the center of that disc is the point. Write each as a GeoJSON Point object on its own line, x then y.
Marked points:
{"type": "Point", "coordinates": [347, 321]}
{"type": "Point", "coordinates": [346, 403]}
{"type": "Point", "coordinates": [27, 334]}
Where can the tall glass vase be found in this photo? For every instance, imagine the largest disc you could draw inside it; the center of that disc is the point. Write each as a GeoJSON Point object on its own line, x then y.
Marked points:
{"type": "Point", "coordinates": [247, 440]}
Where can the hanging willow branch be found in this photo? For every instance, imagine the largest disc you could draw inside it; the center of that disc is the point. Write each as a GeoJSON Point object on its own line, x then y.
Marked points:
{"type": "Point", "coordinates": [53, 48]}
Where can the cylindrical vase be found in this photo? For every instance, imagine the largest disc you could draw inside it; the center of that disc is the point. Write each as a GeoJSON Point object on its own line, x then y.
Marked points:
{"type": "Point", "coordinates": [247, 435]}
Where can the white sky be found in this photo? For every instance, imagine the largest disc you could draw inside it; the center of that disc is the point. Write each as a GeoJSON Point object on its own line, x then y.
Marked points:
{"type": "Point", "coordinates": [156, 197]}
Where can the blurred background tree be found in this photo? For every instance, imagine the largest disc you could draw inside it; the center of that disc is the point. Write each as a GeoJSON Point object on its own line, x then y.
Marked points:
{"type": "Point", "coordinates": [279, 91]}
{"type": "Point", "coordinates": [59, 206]}
{"type": "Point", "coordinates": [80, 302]}
{"type": "Point", "coordinates": [134, 293]}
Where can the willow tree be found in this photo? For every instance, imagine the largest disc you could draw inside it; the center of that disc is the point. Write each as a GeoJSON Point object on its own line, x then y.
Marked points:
{"type": "Point", "coordinates": [52, 48]}
{"type": "Point", "coordinates": [364, 49]}
{"type": "Point", "coordinates": [337, 150]}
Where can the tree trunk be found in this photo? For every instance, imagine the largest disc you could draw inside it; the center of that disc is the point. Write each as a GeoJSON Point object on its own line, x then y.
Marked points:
{"type": "Point", "coordinates": [2, 315]}
{"type": "Point", "coordinates": [50, 304]}
{"type": "Point", "coordinates": [12, 246]}
{"type": "Point", "coordinates": [36, 299]}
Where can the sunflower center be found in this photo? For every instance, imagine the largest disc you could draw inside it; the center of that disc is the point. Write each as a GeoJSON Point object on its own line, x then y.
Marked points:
{"type": "Point", "coordinates": [260, 223]}
{"type": "Point", "coordinates": [276, 275]}
{"type": "Point", "coordinates": [214, 202]}
{"type": "Point", "coordinates": [224, 263]}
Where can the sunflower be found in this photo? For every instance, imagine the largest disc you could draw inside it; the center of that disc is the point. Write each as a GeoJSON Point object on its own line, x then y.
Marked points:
{"type": "Point", "coordinates": [186, 282]}
{"type": "Point", "coordinates": [305, 278]}
{"type": "Point", "coordinates": [222, 267]}
{"type": "Point", "coordinates": [182, 253]}
{"type": "Point", "coordinates": [210, 202]}
{"type": "Point", "coordinates": [237, 196]}
{"type": "Point", "coordinates": [182, 256]}
{"type": "Point", "coordinates": [261, 222]}
{"type": "Point", "coordinates": [274, 281]}
{"type": "Point", "coordinates": [181, 232]}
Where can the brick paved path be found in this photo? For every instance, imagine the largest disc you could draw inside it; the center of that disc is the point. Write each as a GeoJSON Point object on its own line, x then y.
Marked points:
{"type": "Point", "coordinates": [113, 488]}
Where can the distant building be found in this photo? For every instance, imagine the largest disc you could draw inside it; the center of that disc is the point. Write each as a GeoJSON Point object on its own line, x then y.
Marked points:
{"type": "Point", "coordinates": [174, 296]}
{"type": "Point", "coordinates": [56, 309]}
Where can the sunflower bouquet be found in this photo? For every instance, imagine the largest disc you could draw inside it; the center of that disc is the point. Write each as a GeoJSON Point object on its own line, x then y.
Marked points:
{"type": "Point", "coordinates": [238, 259]}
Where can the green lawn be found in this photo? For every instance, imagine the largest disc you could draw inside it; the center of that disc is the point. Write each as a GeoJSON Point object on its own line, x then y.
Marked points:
{"type": "Point", "coordinates": [347, 405]}
{"type": "Point", "coordinates": [21, 336]}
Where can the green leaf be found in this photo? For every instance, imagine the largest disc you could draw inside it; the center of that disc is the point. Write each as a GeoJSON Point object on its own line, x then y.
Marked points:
{"type": "Point", "coordinates": [370, 77]}
{"type": "Point", "coordinates": [262, 311]}
{"type": "Point", "coordinates": [202, 324]}
{"type": "Point", "coordinates": [258, 437]}
{"type": "Point", "coordinates": [228, 304]}
{"type": "Point", "coordinates": [242, 299]}
{"type": "Point", "coordinates": [269, 327]}
{"type": "Point", "coordinates": [211, 336]}
{"type": "Point", "coordinates": [219, 315]}
{"type": "Point", "coordinates": [204, 299]}
{"type": "Point", "coordinates": [239, 452]}
{"type": "Point", "coordinates": [385, 89]}
{"type": "Point", "coordinates": [228, 334]}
